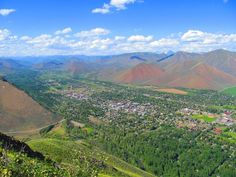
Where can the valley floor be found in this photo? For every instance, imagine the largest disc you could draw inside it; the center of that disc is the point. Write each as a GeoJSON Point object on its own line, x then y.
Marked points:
{"type": "Point", "coordinates": [127, 130]}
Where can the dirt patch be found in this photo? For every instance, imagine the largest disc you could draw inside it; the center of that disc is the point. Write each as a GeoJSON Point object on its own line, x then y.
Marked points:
{"type": "Point", "coordinates": [172, 90]}
{"type": "Point", "coordinates": [96, 121]}
{"type": "Point", "coordinates": [77, 124]}
{"type": "Point", "coordinates": [218, 131]}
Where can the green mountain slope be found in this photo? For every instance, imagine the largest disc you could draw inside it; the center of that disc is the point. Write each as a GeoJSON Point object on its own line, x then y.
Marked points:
{"type": "Point", "coordinates": [74, 155]}
{"type": "Point", "coordinates": [69, 158]}
{"type": "Point", "coordinates": [230, 91]}
{"type": "Point", "coordinates": [17, 159]}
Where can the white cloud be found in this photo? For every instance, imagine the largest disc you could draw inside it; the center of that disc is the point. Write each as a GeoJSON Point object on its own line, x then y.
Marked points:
{"type": "Point", "coordinates": [192, 35]}
{"type": "Point", "coordinates": [196, 36]}
{"type": "Point", "coordinates": [4, 34]}
{"type": "Point", "coordinates": [93, 32]}
{"type": "Point", "coordinates": [101, 44]}
{"type": "Point", "coordinates": [5, 12]}
{"type": "Point", "coordinates": [119, 38]}
{"type": "Point", "coordinates": [231, 37]}
{"type": "Point", "coordinates": [121, 4]}
{"type": "Point", "coordinates": [114, 4]}
{"type": "Point", "coordinates": [140, 38]}
{"type": "Point", "coordinates": [104, 10]}
{"type": "Point", "coordinates": [164, 42]}
{"type": "Point", "coordinates": [49, 42]}
{"type": "Point", "coordinates": [25, 38]}
{"type": "Point", "coordinates": [40, 39]}
{"type": "Point", "coordinates": [63, 31]}
{"type": "Point", "coordinates": [97, 42]}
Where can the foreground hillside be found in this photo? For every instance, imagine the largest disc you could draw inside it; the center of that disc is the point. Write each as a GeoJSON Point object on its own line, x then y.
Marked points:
{"type": "Point", "coordinates": [19, 112]}
{"type": "Point", "coordinates": [63, 158]}
{"type": "Point", "coordinates": [75, 153]}
{"type": "Point", "coordinates": [18, 159]}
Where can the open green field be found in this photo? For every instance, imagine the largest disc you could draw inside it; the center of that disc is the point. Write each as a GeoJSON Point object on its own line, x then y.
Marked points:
{"type": "Point", "coordinates": [204, 118]}
{"type": "Point", "coordinates": [230, 91]}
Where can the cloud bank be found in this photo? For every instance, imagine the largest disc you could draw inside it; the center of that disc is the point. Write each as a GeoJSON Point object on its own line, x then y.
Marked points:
{"type": "Point", "coordinates": [100, 41]}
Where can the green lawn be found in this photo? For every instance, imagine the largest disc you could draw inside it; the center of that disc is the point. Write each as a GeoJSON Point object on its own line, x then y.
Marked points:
{"type": "Point", "coordinates": [203, 117]}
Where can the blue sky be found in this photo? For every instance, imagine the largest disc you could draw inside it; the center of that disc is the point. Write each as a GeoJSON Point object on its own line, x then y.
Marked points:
{"type": "Point", "coordinates": [48, 27]}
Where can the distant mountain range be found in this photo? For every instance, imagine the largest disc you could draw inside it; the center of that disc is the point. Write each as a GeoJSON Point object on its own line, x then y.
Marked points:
{"type": "Point", "coordinates": [212, 70]}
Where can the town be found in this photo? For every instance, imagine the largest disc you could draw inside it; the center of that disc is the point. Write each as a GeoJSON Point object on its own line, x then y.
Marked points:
{"type": "Point", "coordinates": [223, 118]}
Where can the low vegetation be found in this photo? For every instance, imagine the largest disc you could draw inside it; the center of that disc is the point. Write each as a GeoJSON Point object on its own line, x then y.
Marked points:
{"type": "Point", "coordinates": [204, 118]}
{"type": "Point", "coordinates": [17, 159]}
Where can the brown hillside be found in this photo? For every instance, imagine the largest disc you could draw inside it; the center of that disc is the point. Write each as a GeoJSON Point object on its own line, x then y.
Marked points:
{"type": "Point", "coordinates": [210, 70]}
{"type": "Point", "coordinates": [20, 112]}
{"type": "Point", "coordinates": [75, 67]}
{"type": "Point", "coordinates": [173, 90]}
{"type": "Point", "coordinates": [140, 73]}
{"type": "Point", "coordinates": [205, 77]}
{"type": "Point", "coordinates": [222, 60]}
{"type": "Point", "coordinates": [177, 71]}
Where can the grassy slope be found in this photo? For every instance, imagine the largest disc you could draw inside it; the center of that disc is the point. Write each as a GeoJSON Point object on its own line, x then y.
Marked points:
{"type": "Point", "coordinates": [68, 152]}
{"type": "Point", "coordinates": [17, 159]}
{"type": "Point", "coordinates": [231, 91]}
{"type": "Point", "coordinates": [58, 146]}
{"type": "Point", "coordinates": [18, 164]}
